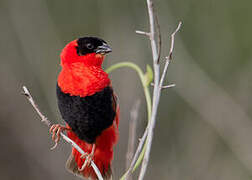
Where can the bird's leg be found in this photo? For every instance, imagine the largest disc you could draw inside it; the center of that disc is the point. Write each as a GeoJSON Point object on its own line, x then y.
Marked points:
{"type": "Point", "coordinates": [88, 159]}
{"type": "Point", "coordinates": [56, 129]}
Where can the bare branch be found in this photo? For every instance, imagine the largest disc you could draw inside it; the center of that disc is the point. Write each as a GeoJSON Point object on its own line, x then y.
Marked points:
{"type": "Point", "coordinates": [156, 90]}
{"type": "Point", "coordinates": [159, 37]}
{"type": "Point", "coordinates": [29, 97]}
{"type": "Point", "coordinates": [169, 58]}
{"type": "Point", "coordinates": [164, 73]}
{"type": "Point", "coordinates": [172, 40]}
{"type": "Point", "coordinates": [48, 123]}
{"type": "Point", "coordinates": [137, 153]}
{"type": "Point", "coordinates": [143, 33]}
{"type": "Point", "coordinates": [157, 87]}
{"type": "Point", "coordinates": [132, 134]}
{"type": "Point", "coordinates": [166, 86]}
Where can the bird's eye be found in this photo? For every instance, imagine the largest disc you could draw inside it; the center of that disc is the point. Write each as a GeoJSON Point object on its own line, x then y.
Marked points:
{"type": "Point", "coordinates": [90, 46]}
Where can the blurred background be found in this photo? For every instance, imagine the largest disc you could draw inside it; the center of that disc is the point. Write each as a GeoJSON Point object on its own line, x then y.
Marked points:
{"type": "Point", "coordinates": [204, 125]}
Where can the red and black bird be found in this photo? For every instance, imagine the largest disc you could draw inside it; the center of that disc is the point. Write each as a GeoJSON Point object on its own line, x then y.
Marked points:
{"type": "Point", "coordinates": [88, 105]}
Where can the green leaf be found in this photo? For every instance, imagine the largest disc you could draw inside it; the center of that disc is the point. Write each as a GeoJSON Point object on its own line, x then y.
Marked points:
{"type": "Point", "coordinates": [148, 76]}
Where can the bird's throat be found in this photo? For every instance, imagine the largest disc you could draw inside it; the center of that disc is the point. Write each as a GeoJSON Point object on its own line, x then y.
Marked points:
{"type": "Point", "coordinates": [77, 79]}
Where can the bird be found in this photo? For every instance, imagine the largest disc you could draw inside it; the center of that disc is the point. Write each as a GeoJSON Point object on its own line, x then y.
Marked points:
{"type": "Point", "coordinates": [89, 107]}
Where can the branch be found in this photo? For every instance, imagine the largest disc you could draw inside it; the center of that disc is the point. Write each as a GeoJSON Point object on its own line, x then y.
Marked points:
{"type": "Point", "coordinates": [143, 33]}
{"type": "Point", "coordinates": [137, 153]}
{"type": "Point", "coordinates": [159, 38]}
{"type": "Point", "coordinates": [132, 134]}
{"type": "Point", "coordinates": [158, 85]}
{"type": "Point", "coordinates": [172, 40]}
{"type": "Point", "coordinates": [166, 86]}
{"type": "Point", "coordinates": [144, 146]}
{"type": "Point", "coordinates": [48, 123]}
{"type": "Point", "coordinates": [156, 92]}
{"type": "Point", "coordinates": [169, 57]}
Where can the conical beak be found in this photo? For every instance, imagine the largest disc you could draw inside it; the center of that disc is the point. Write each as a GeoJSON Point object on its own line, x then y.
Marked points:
{"type": "Point", "coordinates": [103, 49]}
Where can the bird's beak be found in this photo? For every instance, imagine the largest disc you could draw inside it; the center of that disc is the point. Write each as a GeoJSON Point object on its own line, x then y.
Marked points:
{"type": "Point", "coordinates": [103, 49]}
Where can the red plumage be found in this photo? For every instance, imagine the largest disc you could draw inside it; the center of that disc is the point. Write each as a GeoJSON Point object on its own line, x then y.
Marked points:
{"type": "Point", "coordinates": [82, 75]}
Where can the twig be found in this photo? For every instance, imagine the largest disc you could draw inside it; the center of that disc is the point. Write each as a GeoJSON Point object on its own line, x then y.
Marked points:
{"type": "Point", "coordinates": [29, 97]}
{"type": "Point", "coordinates": [156, 92]}
{"type": "Point", "coordinates": [137, 153]}
{"type": "Point", "coordinates": [159, 37]}
{"type": "Point", "coordinates": [172, 40]}
{"type": "Point", "coordinates": [166, 86]}
{"type": "Point", "coordinates": [169, 57]}
{"type": "Point", "coordinates": [48, 123]}
{"type": "Point", "coordinates": [143, 33]}
{"type": "Point", "coordinates": [157, 87]}
{"type": "Point", "coordinates": [132, 134]}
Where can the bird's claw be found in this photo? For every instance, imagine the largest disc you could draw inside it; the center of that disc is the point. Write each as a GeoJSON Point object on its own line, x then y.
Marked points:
{"type": "Point", "coordinates": [56, 129]}
{"type": "Point", "coordinates": [84, 155]}
{"type": "Point", "coordinates": [87, 162]}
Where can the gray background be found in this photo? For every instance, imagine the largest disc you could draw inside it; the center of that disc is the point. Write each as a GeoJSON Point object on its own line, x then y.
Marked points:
{"type": "Point", "coordinates": [204, 125]}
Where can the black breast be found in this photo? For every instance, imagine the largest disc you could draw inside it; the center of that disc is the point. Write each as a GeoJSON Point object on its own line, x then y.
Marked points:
{"type": "Point", "coordinates": [87, 116]}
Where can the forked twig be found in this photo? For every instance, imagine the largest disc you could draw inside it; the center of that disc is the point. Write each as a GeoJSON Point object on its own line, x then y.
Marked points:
{"type": "Point", "coordinates": [172, 39]}
{"type": "Point", "coordinates": [169, 57]}
{"type": "Point", "coordinates": [137, 153]}
{"type": "Point", "coordinates": [48, 123]}
{"type": "Point", "coordinates": [158, 85]}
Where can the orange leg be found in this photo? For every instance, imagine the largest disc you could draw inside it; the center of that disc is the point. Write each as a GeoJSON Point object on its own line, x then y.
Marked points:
{"type": "Point", "coordinates": [56, 129]}
{"type": "Point", "coordinates": [88, 159]}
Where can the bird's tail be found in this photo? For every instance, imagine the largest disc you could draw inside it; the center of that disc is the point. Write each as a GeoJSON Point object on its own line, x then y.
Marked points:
{"type": "Point", "coordinates": [103, 154]}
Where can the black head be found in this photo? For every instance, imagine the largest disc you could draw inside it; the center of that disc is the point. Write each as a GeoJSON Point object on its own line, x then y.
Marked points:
{"type": "Point", "coordinates": [88, 45]}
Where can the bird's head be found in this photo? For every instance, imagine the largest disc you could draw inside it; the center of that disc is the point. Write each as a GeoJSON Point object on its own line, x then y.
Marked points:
{"type": "Point", "coordinates": [88, 50]}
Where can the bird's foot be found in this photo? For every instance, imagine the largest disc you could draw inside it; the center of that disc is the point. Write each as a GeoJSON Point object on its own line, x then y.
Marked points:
{"type": "Point", "coordinates": [56, 129]}
{"type": "Point", "coordinates": [87, 163]}
{"type": "Point", "coordinates": [88, 158]}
